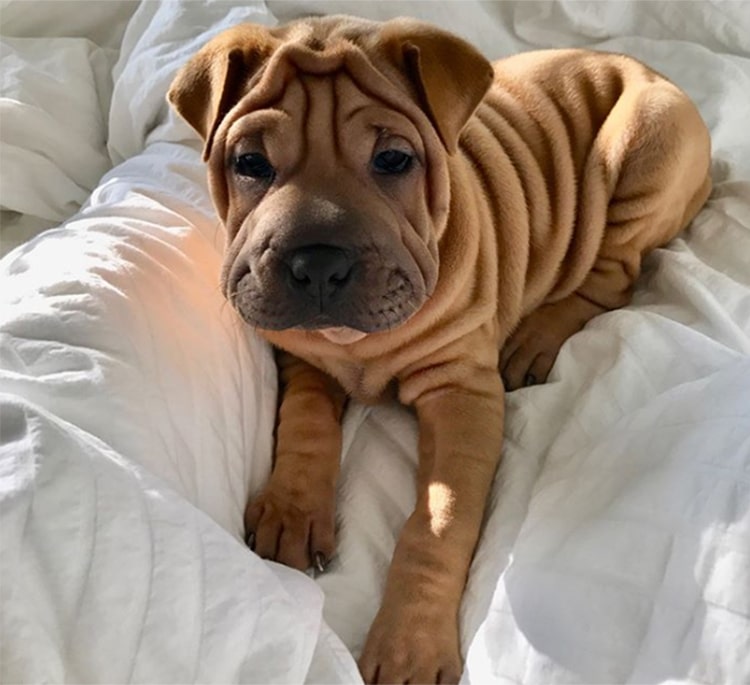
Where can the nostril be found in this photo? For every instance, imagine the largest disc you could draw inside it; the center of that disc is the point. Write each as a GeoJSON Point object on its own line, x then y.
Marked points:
{"type": "Point", "coordinates": [341, 276]}
{"type": "Point", "coordinates": [299, 267]}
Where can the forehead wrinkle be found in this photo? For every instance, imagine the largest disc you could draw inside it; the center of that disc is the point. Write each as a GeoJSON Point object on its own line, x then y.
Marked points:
{"type": "Point", "coordinates": [320, 122]}
{"type": "Point", "coordinates": [255, 124]}
{"type": "Point", "coordinates": [343, 87]}
{"type": "Point", "coordinates": [334, 111]}
{"type": "Point", "coordinates": [386, 120]}
{"type": "Point", "coordinates": [295, 103]}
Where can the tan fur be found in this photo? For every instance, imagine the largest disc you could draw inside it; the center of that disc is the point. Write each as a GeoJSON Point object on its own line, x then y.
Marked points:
{"type": "Point", "coordinates": [543, 186]}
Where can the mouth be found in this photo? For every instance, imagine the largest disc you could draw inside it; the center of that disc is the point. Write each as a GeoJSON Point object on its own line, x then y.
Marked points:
{"type": "Point", "coordinates": [342, 310]}
{"type": "Point", "coordinates": [341, 335]}
{"type": "Point", "coordinates": [344, 323]}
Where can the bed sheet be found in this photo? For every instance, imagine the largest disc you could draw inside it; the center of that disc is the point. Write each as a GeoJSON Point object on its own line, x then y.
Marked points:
{"type": "Point", "coordinates": [56, 59]}
{"type": "Point", "coordinates": [137, 416]}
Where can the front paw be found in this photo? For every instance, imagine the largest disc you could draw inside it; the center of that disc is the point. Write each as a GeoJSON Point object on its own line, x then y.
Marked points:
{"type": "Point", "coordinates": [412, 643]}
{"type": "Point", "coordinates": [294, 529]}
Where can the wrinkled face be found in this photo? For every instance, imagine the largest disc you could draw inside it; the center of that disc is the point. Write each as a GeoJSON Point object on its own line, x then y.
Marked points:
{"type": "Point", "coordinates": [328, 222]}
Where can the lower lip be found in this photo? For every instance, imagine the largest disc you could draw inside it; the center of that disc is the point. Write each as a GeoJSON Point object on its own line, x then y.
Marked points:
{"type": "Point", "coordinates": [342, 335]}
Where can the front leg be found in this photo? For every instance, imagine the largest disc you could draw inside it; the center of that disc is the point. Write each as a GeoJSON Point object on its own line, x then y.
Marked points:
{"type": "Point", "coordinates": [459, 404]}
{"type": "Point", "coordinates": [292, 521]}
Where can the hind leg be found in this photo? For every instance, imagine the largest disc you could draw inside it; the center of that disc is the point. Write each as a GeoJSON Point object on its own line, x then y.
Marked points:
{"type": "Point", "coordinates": [662, 180]}
{"type": "Point", "coordinates": [528, 356]}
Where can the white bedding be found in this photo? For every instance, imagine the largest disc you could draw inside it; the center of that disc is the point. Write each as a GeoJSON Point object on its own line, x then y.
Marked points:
{"type": "Point", "coordinates": [136, 411]}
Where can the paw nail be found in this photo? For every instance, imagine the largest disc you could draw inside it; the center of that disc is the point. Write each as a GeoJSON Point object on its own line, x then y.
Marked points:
{"type": "Point", "coordinates": [320, 562]}
{"type": "Point", "coordinates": [530, 379]}
{"type": "Point", "coordinates": [250, 540]}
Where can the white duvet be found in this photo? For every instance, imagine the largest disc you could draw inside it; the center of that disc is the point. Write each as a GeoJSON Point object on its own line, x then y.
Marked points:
{"type": "Point", "coordinates": [136, 410]}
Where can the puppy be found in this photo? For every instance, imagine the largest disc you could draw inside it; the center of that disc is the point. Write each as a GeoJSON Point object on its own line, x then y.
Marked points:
{"type": "Point", "coordinates": [403, 215]}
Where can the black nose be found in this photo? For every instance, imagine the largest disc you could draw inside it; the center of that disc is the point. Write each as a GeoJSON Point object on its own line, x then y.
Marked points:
{"type": "Point", "coordinates": [319, 270]}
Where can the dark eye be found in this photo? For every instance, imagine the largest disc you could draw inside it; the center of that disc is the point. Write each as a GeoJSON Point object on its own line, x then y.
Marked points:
{"type": "Point", "coordinates": [392, 162]}
{"type": "Point", "coordinates": [254, 165]}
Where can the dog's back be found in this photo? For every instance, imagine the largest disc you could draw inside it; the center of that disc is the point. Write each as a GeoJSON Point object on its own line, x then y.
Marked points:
{"type": "Point", "coordinates": [580, 156]}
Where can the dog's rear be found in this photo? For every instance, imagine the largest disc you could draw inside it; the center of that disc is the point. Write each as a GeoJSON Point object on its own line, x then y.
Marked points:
{"type": "Point", "coordinates": [611, 161]}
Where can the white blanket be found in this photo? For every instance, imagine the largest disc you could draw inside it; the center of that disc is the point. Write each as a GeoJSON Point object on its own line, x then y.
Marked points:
{"type": "Point", "coordinates": [136, 411]}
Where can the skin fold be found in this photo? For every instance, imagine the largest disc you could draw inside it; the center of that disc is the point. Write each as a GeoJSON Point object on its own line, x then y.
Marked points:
{"type": "Point", "coordinates": [533, 188]}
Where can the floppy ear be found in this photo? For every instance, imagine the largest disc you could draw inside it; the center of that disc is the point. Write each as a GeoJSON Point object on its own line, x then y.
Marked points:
{"type": "Point", "coordinates": [450, 75]}
{"type": "Point", "coordinates": [217, 76]}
